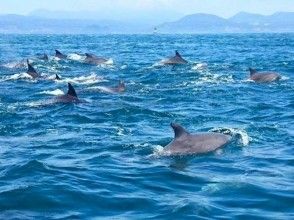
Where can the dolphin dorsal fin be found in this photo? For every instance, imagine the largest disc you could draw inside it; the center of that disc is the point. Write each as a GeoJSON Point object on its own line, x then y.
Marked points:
{"type": "Point", "coordinates": [45, 57]}
{"type": "Point", "coordinates": [31, 69]}
{"type": "Point", "coordinates": [252, 71]}
{"type": "Point", "coordinates": [71, 91]}
{"type": "Point", "coordinates": [57, 77]}
{"type": "Point", "coordinates": [88, 55]}
{"type": "Point", "coordinates": [57, 52]}
{"type": "Point", "coordinates": [178, 130]}
{"type": "Point", "coordinates": [178, 54]}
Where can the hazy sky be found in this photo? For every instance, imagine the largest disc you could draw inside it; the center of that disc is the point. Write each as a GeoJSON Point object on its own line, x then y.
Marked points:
{"type": "Point", "coordinates": [153, 9]}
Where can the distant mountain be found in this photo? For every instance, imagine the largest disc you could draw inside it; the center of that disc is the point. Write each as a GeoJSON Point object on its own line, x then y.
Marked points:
{"type": "Point", "coordinates": [132, 16]}
{"type": "Point", "coordinates": [37, 25]}
{"type": "Point", "coordinates": [43, 22]}
{"type": "Point", "coordinates": [196, 23]}
{"type": "Point", "coordinates": [281, 19]}
{"type": "Point", "coordinates": [246, 18]}
{"type": "Point", "coordinates": [241, 22]}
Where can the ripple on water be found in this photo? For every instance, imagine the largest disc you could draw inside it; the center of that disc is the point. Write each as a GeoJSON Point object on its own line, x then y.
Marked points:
{"type": "Point", "coordinates": [104, 158]}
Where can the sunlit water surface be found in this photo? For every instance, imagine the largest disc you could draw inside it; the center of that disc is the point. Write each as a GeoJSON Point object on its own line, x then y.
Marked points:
{"type": "Point", "coordinates": [103, 157]}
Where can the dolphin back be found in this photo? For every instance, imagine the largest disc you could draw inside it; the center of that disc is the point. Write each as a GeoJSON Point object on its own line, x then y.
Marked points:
{"type": "Point", "coordinates": [197, 143]}
{"type": "Point", "coordinates": [31, 70]}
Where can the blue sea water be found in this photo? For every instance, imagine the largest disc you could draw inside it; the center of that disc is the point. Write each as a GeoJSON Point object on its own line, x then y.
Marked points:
{"type": "Point", "coordinates": [103, 158]}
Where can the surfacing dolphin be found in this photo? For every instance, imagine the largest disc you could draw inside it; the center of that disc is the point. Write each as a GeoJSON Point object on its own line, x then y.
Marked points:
{"type": "Point", "coordinates": [60, 55]}
{"type": "Point", "coordinates": [70, 97]}
{"type": "Point", "coordinates": [185, 143]}
{"type": "Point", "coordinates": [57, 77]}
{"type": "Point", "coordinates": [93, 59]}
{"type": "Point", "coordinates": [263, 76]}
{"type": "Point", "coordinates": [121, 87]}
{"type": "Point", "coordinates": [43, 57]}
{"type": "Point", "coordinates": [177, 59]}
{"type": "Point", "coordinates": [31, 71]}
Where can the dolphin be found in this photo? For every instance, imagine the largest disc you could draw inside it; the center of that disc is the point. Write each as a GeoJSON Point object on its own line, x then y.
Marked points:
{"type": "Point", "coordinates": [93, 59]}
{"type": "Point", "coordinates": [121, 87]}
{"type": "Point", "coordinates": [175, 60]}
{"type": "Point", "coordinates": [185, 143]}
{"type": "Point", "coordinates": [60, 55]}
{"type": "Point", "coordinates": [57, 77]}
{"type": "Point", "coordinates": [31, 71]}
{"type": "Point", "coordinates": [263, 76]}
{"type": "Point", "coordinates": [70, 97]}
{"type": "Point", "coordinates": [43, 57]}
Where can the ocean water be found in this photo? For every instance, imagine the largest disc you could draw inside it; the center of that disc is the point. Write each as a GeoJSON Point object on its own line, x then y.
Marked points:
{"type": "Point", "coordinates": [103, 158]}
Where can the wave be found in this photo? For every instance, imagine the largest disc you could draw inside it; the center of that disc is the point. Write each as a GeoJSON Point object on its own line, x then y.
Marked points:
{"type": "Point", "coordinates": [76, 57]}
{"type": "Point", "coordinates": [55, 92]}
{"type": "Point", "coordinates": [199, 66]}
{"type": "Point", "coordinates": [102, 89]}
{"type": "Point", "coordinates": [18, 76]}
{"type": "Point", "coordinates": [90, 79]}
{"type": "Point", "coordinates": [123, 67]}
{"type": "Point", "coordinates": [84, 80]}
{"type": "Point", "coordinates": [15, 64]}
{"type": "Point", "coordinates": [212, 78]}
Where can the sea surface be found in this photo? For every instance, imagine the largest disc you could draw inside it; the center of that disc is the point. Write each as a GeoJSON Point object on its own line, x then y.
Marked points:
{"type": "Point", "coordinates": [104, 158]}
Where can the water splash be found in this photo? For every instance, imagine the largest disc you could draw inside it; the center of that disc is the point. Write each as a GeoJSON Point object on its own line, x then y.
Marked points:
{"type": "Point", "coordinates": [240, 134]}
{"type": "Point", "coordinates": [109, 62]}
{"type": "Point", "coordinates": [55, 92]}
{"type": "Point", "coordinates": [84, 80]}
{"type": "Point", "coordinates": [76, 57]}
{"type": "Point", "coordinates": [17, 76]}
{"type": "Point", "coordinates": [158, 151]}
{"type": "Point", "coordinates": [15, 65]}
{"type": "Point", "coordinates": [199, 66]}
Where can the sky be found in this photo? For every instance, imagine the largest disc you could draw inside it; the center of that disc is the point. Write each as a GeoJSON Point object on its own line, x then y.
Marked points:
{"type": "Point", "coordinates": [153, 10]}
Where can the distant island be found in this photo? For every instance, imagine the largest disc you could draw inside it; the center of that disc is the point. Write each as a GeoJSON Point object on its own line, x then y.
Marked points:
{"type": "Point", "coordinates": [240, 23]}
{"type": "Point", "coordinates": [243, 22]}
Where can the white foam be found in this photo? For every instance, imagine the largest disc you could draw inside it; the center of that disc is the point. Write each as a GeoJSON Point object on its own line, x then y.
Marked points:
{"type": "Point", "coordinates": [90, 79]}
{"type": "Point", "coordinates": [34, 104]}
{"type": "Point", "coordinates": [247, 80]}
{"type": "Point", "coordinates": [213, 78]}
{"type": "Point", "coordinates": [102, 89]}
{"type": "Point", "coordinates": [120, 131]}
{"type": "Point", "coordinates": [242, 135]}
{"type": "Point", "coordinates": [55, 92]}
{"type": "Point", "coordinates": [51, 77]}
{"type": "Point", "coordinates": [76, 57]}
{"type": "Point", "coordinates": [15, 64]}
{"type": "Point", "coordinates": [200, 66]}
{"type": "Point", "coordinates": [17, 76]}
{"type": "Point", "coordinates": [158, 64]}
{"type": "Point", "coordinates": [109, 62]}
{"type": "Point", "coordinates": [285, 78]}
{"type": "Point", "coordinates": [123, 67]}
{"type": "Point", "coordinates": [158, 151]}
{"type": "Point", "coordinates": [56, 58]}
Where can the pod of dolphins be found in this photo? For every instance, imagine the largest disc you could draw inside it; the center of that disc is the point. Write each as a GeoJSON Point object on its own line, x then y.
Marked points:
{"type": "Point", "coordinates": [183, 143]}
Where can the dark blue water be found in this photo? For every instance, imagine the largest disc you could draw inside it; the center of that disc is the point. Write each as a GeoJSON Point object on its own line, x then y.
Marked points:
{"type": "Point", "coordinates": [103, 158]}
